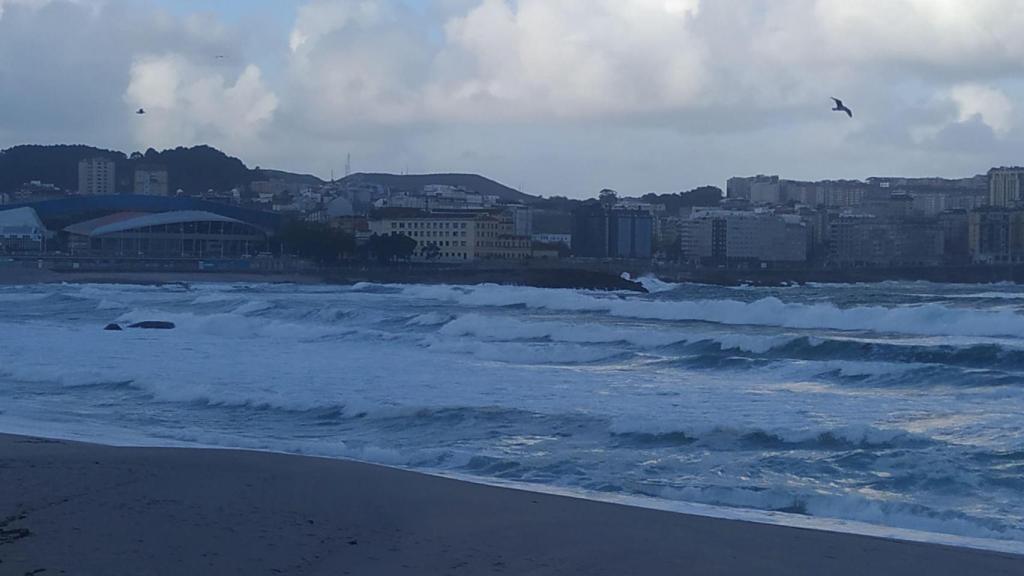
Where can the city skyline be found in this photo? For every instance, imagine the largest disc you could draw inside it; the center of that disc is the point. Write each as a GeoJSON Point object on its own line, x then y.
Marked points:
{"type": "Point", "coordinates": [553, 98]}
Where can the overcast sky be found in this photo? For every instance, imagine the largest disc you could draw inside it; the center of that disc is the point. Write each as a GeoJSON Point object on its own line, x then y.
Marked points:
{"type": "Point", "coordinates": [552, 96]}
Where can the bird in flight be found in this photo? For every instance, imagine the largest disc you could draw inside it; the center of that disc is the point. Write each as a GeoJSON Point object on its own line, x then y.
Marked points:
{"type": "Point", "coordinates": [140, 111]}
{"type": "Point", "coordinates": [840, 107]}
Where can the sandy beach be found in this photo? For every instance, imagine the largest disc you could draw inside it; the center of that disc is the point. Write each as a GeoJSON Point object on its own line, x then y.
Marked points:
{"type": "Point", "coordinates": [72, 508]}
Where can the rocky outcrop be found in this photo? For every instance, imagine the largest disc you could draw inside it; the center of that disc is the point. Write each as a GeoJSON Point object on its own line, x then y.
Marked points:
{"type": "Point", "coordinates": [153, 325]}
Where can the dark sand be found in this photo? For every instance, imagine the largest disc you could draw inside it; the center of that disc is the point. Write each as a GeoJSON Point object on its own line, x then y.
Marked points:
{"type": "Point", "coordinates": [70, 508]}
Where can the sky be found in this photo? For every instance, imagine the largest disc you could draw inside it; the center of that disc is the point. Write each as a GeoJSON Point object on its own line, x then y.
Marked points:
{"type": "Point", "coordinates": [553, 97]}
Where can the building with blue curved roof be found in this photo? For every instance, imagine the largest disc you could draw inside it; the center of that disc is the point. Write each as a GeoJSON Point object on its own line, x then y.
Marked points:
{"type": "Point", "coordinates": [76, 208]}
{"type": "Point", "coordinates": [175, 234]}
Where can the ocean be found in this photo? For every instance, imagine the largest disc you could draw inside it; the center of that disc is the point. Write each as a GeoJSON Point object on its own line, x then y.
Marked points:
{"type": "Point", "coordinates": [895, 405]}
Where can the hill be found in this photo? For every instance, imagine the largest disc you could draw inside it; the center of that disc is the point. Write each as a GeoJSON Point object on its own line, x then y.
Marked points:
{"type": "Point", "coordinates": [414, 182]}
{"type": "Point", "coordinates": [290, 177]}
{"type": "Point", "coordinates": [53, 164]}
{"type": "Point", "coordinates": [195, 169]}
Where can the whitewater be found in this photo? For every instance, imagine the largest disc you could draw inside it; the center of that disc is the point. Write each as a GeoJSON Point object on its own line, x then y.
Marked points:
{"type": "Point", "coordinates": [896, 405]}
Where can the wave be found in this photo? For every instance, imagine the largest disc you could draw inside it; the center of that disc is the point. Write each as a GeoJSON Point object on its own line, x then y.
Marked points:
{"type": "Point", "coordinates": [832, 438]}
{"type": "Point", "coordinates": [652, 284]}
{"type": "Point", "coordinates": [978, 296]}
{"type": "Point", "coordinates": [923, 319]}
{"type": "Point", "coordinates": [23, 298]}
{"type": "Point", "coordinates": [529, 353]}
{"type": "Point", "coordinates": [503, 329]}
{"type": "Point", "coordinates": [877, 509]}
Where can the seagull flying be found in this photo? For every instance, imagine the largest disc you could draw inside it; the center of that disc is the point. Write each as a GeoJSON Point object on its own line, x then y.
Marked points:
{"type": "Point", "coordinates": [140, 111]}
{"type": "Point", "coordinates": [841, 108]}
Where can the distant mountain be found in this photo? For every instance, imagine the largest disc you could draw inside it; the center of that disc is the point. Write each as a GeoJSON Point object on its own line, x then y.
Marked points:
{"type": "Point", "coordinates": [415, 182]}
{"type": "Point", "coordinates": [300, 179]}
{"type": "Point", "coordinates": [193, 170]}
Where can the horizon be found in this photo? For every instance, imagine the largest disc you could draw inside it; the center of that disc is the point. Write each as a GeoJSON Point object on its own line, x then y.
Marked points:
{"type": "Point", "coordinates": [549, 98]}
{"type": "Point", "coordinates": [328, 179]}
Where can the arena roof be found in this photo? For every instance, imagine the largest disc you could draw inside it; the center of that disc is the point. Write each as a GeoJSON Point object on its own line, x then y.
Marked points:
{"type": "Point", "coordinates": [65, 210]}
{"type": "Point", "coordinates": [20, 221]}
{"type": "Point", "coordinates": [124, 221]}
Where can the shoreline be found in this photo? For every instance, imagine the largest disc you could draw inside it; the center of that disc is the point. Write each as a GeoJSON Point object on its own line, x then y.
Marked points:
{"type": "Point", "coordinates": [222, 511]}
{"type": "Point", "coordinates": [568, 278]}
{"type": "Point", "coordinates": [563, 278]}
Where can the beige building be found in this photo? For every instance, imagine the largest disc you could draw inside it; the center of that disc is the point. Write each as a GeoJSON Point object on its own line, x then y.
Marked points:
{"type": "Point", "coordinates": [1004, 187]}
{"type": "Point", "coordinates": [97, 176]}
{"type": "Point", "coordinates": [996, 236]}
{"type": "Point", "coordinates": [455, 236]}
{"type": "Point", "coordinates": [150, 181]}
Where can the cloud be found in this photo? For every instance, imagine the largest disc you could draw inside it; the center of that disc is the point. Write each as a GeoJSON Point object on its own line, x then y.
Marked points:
{"type": "Point", "coordinates": [187, 102]}
{"type": "Point", "coordinates": [35, 4]}
{"type": "Point", "coordinates": [662, 94]}
{"type": "Point", "coordinates": [988, 104]}
{"type": "Point", "coordinates": [373, 61]}
{"type": "Point", "coordinates": [972, 38]}
{"type": "Point", "coordinates": [573, 58]}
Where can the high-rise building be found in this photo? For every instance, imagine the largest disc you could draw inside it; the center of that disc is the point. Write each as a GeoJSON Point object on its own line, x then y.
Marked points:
{"type": "Point", "coordinates": [996, 236]}
{"type": "Point", "coordinates": [733, 237]}
{"type": "Point", "coordinates": [96, 176]}
{"type": "Point", "coordinates": [860, 240]}
{"type": "Point", "coordinates": [151, 181]}
{"type": "Point", "coordinates": [1005, 187]}
{"type": "Point", "coordinates": [610, 231]}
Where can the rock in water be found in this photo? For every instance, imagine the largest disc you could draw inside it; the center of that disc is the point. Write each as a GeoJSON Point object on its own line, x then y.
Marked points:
{"type": "Point", "coordinates": [153, 325]}
{"type": "Point", "coordinates": [113, 327]}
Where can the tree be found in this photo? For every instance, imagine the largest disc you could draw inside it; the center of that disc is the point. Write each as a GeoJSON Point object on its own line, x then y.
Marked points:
{"type": "Point", "coordinates": [391, 247]}
{"type": "Point", "coordinates": [432, 251]}
{"type": "Point", "coordinates": [320, 243]}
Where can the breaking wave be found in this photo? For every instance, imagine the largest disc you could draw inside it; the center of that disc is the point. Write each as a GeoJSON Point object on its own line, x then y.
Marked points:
{"type": "Point", "coordinates": [922, 319]}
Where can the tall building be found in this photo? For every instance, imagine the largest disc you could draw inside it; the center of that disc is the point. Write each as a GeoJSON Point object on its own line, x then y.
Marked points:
{"type": "Point", "coordinates": [609, 231]}
{"type": "Point", "coordinates": [151, 181]}
{"type": "Point", "coordinates": [861, 240]}
{"type": "Point", "coordinates": [1005, 187]}
{"type": "Point", "coordinates": [996, 236]}
{"type": "Point", "coordinates": [732, 237]}
{"type": "Point", "coordinates": [96, 176]}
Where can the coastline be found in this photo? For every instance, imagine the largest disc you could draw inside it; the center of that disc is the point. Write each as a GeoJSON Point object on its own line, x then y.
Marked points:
{"type": "Point", "coordinates": [586, 275]}
{"type": "Point", "coordinates": [538, 278]}
{"type": "Point", "coordinates": [93, 509]}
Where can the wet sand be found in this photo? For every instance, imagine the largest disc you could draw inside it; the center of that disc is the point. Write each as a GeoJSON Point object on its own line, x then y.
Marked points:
{"type": "Point", "coordinates": [72, 508]}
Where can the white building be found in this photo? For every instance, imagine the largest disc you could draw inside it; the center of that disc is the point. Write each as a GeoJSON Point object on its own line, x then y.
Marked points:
{"type": "Point", "coordinates": [730, 236]}
{"type": "Point", "coordinates": [150, 181]}
{"type": "Point", "coordinates": [21, 230]}
{"type": "Point", "coordinates": [766, 192]}
{"type": "Point", "coordinates": [565, 239]}
{"type": "Point", "coordinates": [97, 176]}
